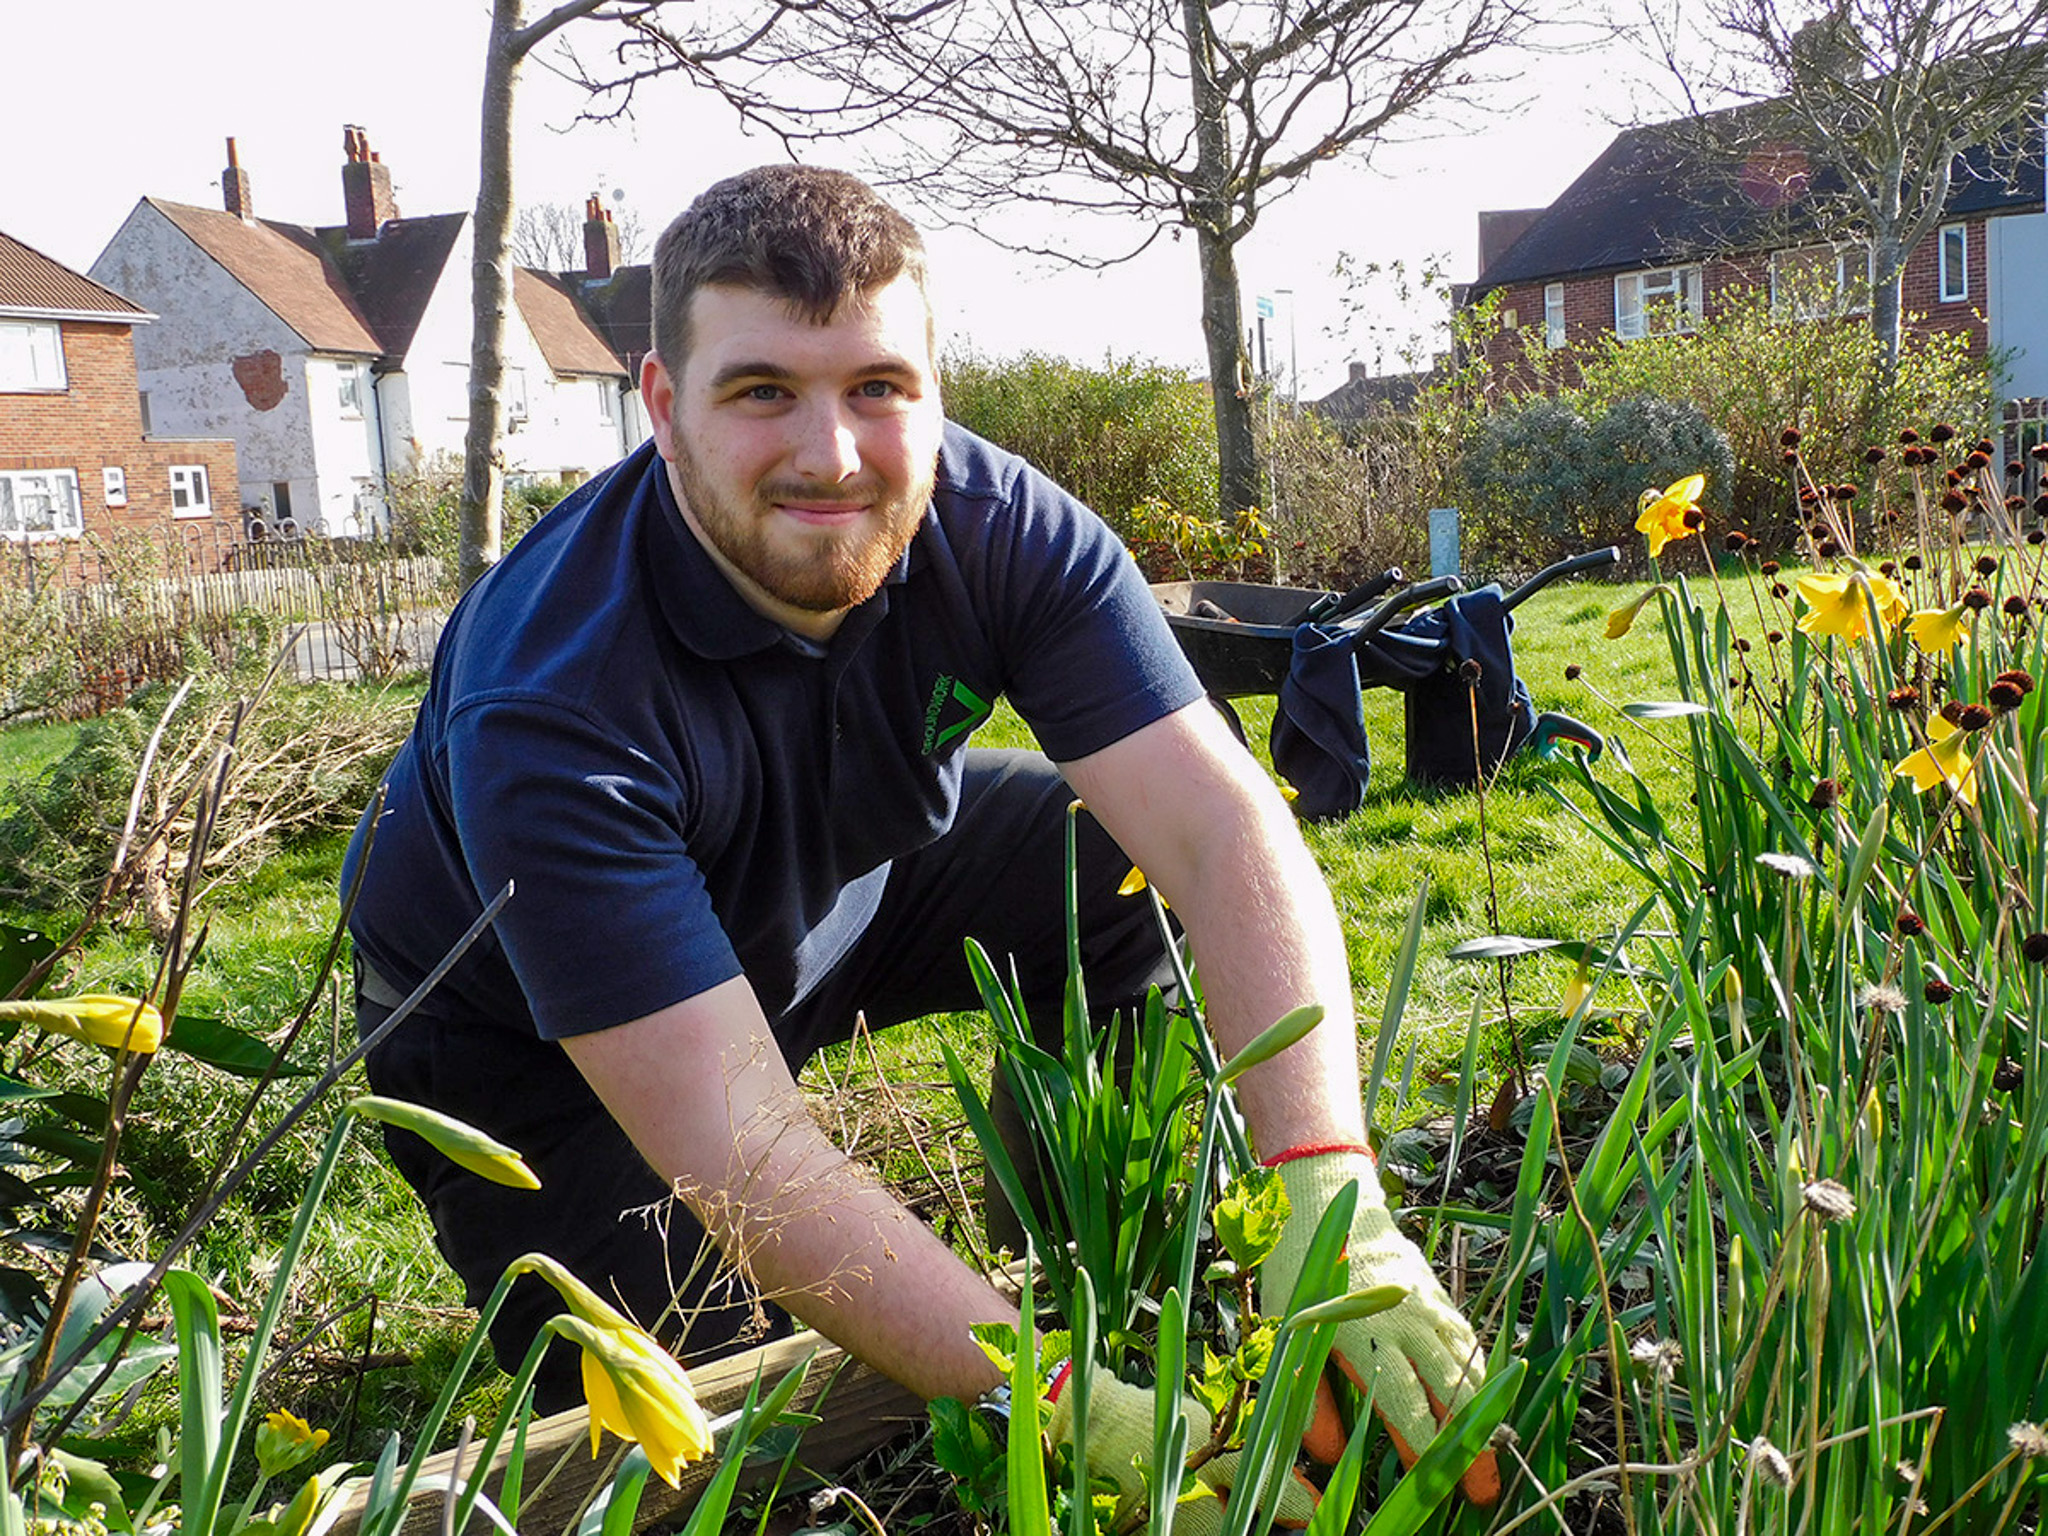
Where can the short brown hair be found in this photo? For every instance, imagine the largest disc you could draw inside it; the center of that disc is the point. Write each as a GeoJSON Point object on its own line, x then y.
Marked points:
{"type": "Point", "coordinates": [812, 237]}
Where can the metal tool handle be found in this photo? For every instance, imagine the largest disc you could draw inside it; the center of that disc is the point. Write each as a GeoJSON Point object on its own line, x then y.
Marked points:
{"type": "Point", "coordinates": [1332, 606]}
{"type": "Point", "coordinates": [1411, 597]}
{"type": "Point", "coordinates": [1591, 560]}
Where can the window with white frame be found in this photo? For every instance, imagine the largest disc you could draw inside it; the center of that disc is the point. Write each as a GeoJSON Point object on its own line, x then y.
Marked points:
{"type": "Point", "coordinates": [515, 395]}
{"type": "Point", "coordinates": [348, 388]}
{"type": "Point", "coordinates": [114, 482]}
{"type": "Point", "coordinates": [1657, 302]}
{"type": "Point", "coordinates": [1955, 263]}
{"type": "Point", "coordinates": [40, 504]}
{"type": "Point", "coordinates": [189, 494]}
{"type": "Point", "coordinates": [31, 356]}
{"type": "Point", "coordinates": [1553, 314]}
{"type": "Point", "coordinates": [604, 400]}
{"type": "Point", "coordinates": [1818, 282]}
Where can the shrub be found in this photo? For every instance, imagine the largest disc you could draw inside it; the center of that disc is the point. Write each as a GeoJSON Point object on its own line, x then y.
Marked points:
{"type": "Point", "coordinates": [306, 764]}
{"type": "Point", "coordinates": [1753, 376]}
{"type": "Point", "coordinates": [1556, 475]}
{"type": "Point", "coordinates": [1118, 436]}
{"type": "Point", "coordinates": [1348, 507]}
{"type": "Point", "coordinates": [426, 508]}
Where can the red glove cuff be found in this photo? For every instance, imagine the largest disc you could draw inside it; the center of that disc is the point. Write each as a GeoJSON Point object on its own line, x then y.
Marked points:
{"type": "Point", "coordinates": [1319, 1149]}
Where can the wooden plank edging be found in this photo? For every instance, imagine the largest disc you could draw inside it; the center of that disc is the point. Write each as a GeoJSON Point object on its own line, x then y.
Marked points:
{"type": "Point", "coordinates": [861, 1409]}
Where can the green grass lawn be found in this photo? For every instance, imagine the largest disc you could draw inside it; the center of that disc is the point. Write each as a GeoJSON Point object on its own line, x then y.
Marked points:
{"type": "Point", "coordinates": [1528, 854]}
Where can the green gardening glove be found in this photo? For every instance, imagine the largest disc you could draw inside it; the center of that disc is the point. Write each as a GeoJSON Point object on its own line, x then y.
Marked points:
{"type": "Point", "coordinates": [1419, 1360]}
{"type": "Point", "coordinates": [1120, 1420]}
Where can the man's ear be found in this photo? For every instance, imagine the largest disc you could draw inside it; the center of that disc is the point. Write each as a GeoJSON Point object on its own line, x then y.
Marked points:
{"type": "Point", "coordinates": [658, 394]}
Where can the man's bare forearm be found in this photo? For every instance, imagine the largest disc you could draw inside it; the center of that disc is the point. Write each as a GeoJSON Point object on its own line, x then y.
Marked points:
{"type": "Point", "coordinates": [704, 1094]}
{"type": "Point", "coordinates": [824, 1240]}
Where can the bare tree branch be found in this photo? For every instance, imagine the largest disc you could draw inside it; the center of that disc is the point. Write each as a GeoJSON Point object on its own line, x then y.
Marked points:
{"type": "Point", "coordinates": [1888, 101]}
{"type": "Point", "coordinates": [1166, 114]}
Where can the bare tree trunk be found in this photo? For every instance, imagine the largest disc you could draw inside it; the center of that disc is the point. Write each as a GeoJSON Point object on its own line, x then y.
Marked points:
{"type": "Point", "coordinates": [1237, 478]}
{"type": "Point", "coordinates": [483, 470]}
{"type": "Point", "coordinates": [1887, 306]}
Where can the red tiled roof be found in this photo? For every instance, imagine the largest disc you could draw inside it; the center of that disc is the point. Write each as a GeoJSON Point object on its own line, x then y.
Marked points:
{"type": "Point", "coordinates": [32, 281]}
{"type": "Point", "coordinates": [560, 325]}
{"type": "Point", "coordinates": [284, 265]}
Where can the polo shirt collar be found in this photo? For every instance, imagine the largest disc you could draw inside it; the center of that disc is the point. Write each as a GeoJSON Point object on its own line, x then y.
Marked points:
{"type": "Point", "coordinates": [703, 609]}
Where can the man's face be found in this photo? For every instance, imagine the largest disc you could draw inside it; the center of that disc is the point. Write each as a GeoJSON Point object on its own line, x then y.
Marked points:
{"type": "Point", "coordinates": [802, 454]}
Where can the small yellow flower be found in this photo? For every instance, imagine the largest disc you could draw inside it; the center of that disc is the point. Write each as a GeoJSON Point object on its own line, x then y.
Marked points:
{"type": "Point", "coordinates": [283, 1440]}
{"type": "Point", "coordinates": [1944, 760]}
{"type": "Point", "coordinates": [1623, 619]}
{"type": "Point", "coordinates": [1939, 629]}
{"type": "Point", "coordinates": [1661, 515]}
{"type": "Point", "coordinates": [463, 1145]}
{"type": "Point", "coordinates": [1835, 605]}
{"type": "Point", "coordinates": [97, 1018]}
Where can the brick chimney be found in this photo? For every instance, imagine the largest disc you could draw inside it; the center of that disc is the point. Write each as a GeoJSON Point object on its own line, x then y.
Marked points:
{"type": "Point", "coordinates": [365, 186]}
{"type": "Point", "coordinates": [600, 239]}
{"type": "Point", "coordinates": [234, 187]}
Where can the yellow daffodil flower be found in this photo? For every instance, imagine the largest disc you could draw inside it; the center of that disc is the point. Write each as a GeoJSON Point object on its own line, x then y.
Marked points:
{"type": "Point", "coordinates": [1623, 619]}
{"type": "Point", "coordinates": [1835, 605]}
{"type": "Point", "coordinates": [1944, 760]}
{"type": "Point", "coordinates": [1661, 515]}
{"type": "Point", "coordinates": [283, 1440]}
{"type": "Point", "coordinates": [96, 1018]}
{"type": "Point", "coordinates": [463, 1145]}
{"type": "Point", "coordinates": [635, 1388]}
{"type": "Point", "coordinates": [1939, 629]}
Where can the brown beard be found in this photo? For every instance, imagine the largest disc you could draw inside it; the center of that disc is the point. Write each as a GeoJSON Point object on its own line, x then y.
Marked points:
{"type": "Point", "coordinates": [844, 569]}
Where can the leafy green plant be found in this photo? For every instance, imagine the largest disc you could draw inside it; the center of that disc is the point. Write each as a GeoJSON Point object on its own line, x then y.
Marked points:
{"type": "Point", "coordinates": [1828, 1164]}
{"type": "Point", "coordinates": [1116, 436]}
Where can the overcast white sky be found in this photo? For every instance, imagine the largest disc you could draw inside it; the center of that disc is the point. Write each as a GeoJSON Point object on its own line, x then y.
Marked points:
{"type": "Point", "coordinates": [131, 97]}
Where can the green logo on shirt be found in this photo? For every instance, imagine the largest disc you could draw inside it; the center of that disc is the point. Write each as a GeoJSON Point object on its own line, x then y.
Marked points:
{"type": "Point", "coordinates": [955, 709]}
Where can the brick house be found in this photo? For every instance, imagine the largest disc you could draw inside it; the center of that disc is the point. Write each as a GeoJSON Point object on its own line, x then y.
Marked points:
{"type": "Point", "coordinates": [77, 457]}
{"type": "Point", "coordinates": [337, 357]}
{"type": "Point", "coordinates": [1657, 233]}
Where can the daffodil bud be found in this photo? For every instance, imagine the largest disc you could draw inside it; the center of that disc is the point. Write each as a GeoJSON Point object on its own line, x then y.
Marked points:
{"type": "Point", "coordinates": [96, 1018]}
{"type": "Point", "coordinates": [297, 1518]}
{"type": "Point", "coordinates": [463, 1145]}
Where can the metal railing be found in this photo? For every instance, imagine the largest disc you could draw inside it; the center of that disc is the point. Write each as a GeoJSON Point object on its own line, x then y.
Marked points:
{"type": "Point", "coordinates": [129, 611]}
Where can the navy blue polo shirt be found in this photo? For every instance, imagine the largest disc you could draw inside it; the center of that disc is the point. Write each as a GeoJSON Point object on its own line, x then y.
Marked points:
{"type": "Point", "coordinates": [684, 791]}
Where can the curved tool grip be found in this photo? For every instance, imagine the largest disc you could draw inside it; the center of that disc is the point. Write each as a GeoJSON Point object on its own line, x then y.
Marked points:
{"type": "Point", "coordinates": [1591, 560]}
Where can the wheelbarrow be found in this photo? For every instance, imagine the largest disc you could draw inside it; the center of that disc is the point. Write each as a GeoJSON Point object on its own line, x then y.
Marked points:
{"type": "Point", "coordinates": [1445, 648]}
